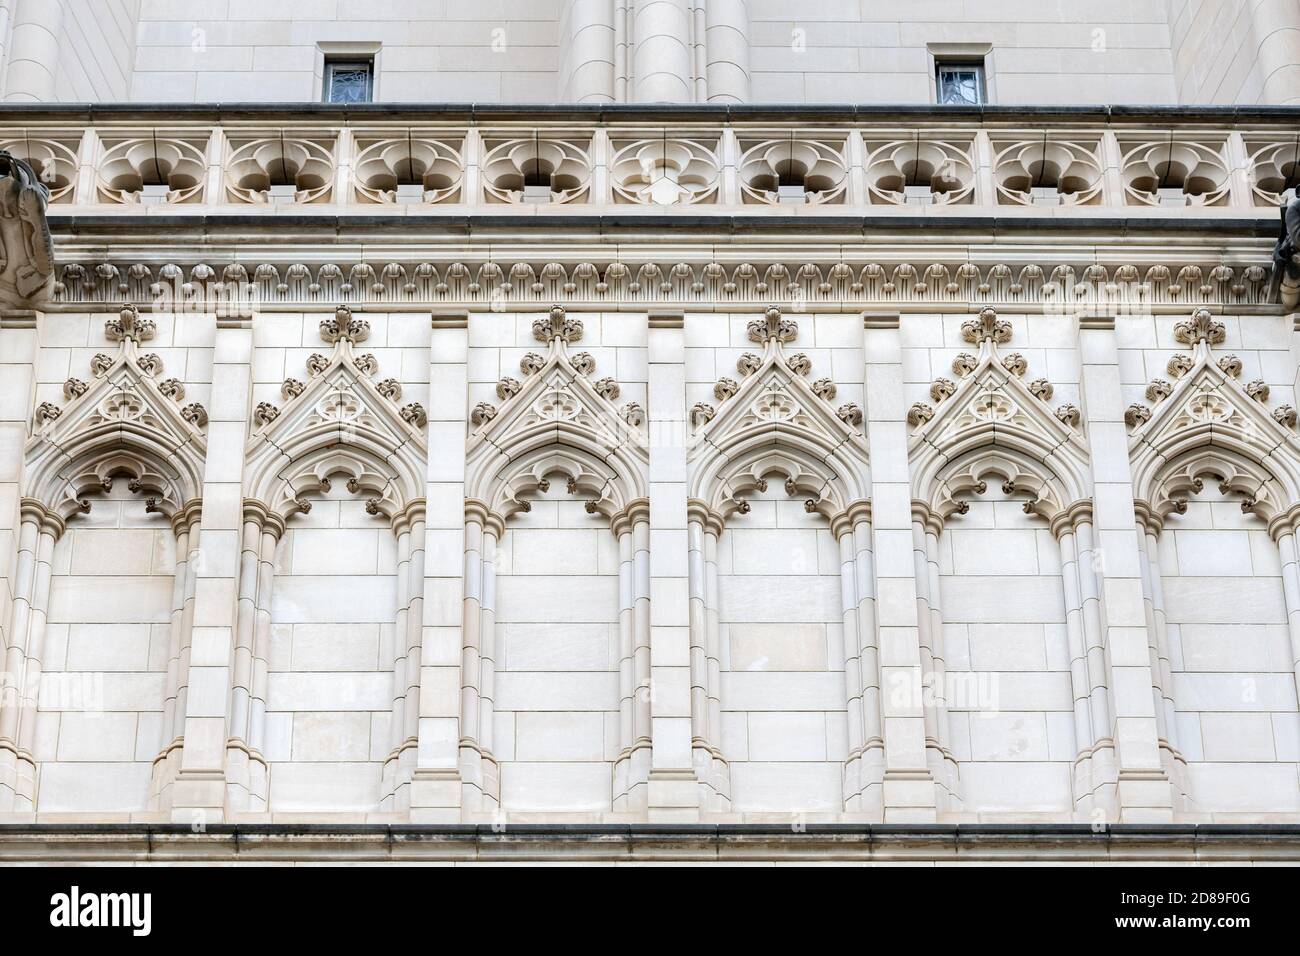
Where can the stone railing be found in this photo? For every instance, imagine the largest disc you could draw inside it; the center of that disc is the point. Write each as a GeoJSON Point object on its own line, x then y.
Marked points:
{"type": "Point", "coordinates": [177, 158]}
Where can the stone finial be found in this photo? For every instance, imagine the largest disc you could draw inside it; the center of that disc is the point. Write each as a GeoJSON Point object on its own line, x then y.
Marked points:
{"type": "Point", "coordinates": [987, 327]}
{"type": "Point", "coordinates": [772, 326]}
{"type": "Point", "coordinates": [129, 324]}
{"type": "Point", "coordinates": [557, 325]}
{"type": "Point", "coordinates": [1201, 327]}
{"type": "Point", "coordinates": [344, 326]}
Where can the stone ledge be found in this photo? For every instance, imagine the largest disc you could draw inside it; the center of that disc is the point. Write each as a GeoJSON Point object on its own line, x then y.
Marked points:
{"type": "Point", "coordinates": [960, 843]}
{"type": "Point", "coordinates": [480, 113]}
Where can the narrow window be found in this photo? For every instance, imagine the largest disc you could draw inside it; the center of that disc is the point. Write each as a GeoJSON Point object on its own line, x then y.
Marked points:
{"type": "Point", "coordinates": [349, 81]}
{"type": "Point", "coordinates": [959, 83]}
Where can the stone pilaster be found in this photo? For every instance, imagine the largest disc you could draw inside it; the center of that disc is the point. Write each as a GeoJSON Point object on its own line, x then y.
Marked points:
{"type": "Point", "coordinates": [436, 782]}
{"type": "Point", "coordinates": [674, 794]}
{"type": "Point", "coordinates": [199, 794]}
{"type": "Point", "coordinates": [909, 787]}
{"type": "Point", "coordinates": [1143, 790]}
{"type": "Point", "coordinates": [18, 348]}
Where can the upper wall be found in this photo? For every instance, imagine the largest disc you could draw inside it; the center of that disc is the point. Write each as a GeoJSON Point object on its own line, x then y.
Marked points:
{"type": "Point", "coordinates": [869, 51]}
{"type": "Point", "coordinates": [1042, 51]}
{"type": "Point", "coordinates": [430, 50]}
{"type": "Point", "coordinates": [97, 50]}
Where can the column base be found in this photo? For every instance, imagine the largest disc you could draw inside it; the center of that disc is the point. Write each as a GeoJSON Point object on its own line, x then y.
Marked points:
{"type": "Point", "coordinates": [910, 797]}
{"type": "Point", "coordinates": [674, 797]}
{"type": "Point", "coordinates": [1145, 796]}
{"type": "Point", "coordinates": [436, 795]}
{"type": "Point", "coordinates": [199, 797]}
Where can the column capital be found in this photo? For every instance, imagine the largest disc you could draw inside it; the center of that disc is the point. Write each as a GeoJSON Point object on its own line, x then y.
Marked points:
{"type": "Point", "coordinates": [1070, 517]}
{"type": "Point", "coordinates": [853, 514]}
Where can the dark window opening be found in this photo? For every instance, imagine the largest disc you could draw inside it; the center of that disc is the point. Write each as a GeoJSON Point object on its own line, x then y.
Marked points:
{"type": "Point", "coordinates": [349, 81]}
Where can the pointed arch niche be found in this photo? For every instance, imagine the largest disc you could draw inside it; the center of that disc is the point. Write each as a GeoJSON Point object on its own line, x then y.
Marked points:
{"type": "Point", "coordinates": [785, 684]}
{"type": "Point", "coordinates": [1216, 482]}
{"type": "Point", "coordinates": [104, 577]}
{"type": "Point", "coordinates": [1007, 589]}
{"type": "Point", "coordinates": [324, 700]}
{"type": "Point", "coordinates": [546, 474]}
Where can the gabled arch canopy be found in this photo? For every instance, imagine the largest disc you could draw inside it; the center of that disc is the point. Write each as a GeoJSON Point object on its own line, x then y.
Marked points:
{"type": "Point", "coordinates": [1210, 425]}
{"type": "Point", "coordinates": [994, 424]}
{"type": "Point", "coordinates": [124, 423]}
{"type": "Point", "coordinates": [776, 424]}
{"type": "Point", "coordinates": [557, 423]}
{"type": "Point", "coordinates": [339, 423]}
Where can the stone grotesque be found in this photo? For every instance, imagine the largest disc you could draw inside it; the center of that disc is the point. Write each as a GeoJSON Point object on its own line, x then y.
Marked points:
{"type": "Point", "coordinates": [1285, 281]}
{"type": "Point", "coordinates": [26, 251]}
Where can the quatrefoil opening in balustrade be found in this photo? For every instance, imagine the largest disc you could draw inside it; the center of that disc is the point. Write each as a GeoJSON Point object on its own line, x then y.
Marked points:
{"type": "Point", "coordinates": [154, 166]}
{"type": "Point", "coordinates": [535, 169]}
{"type": "Point", "coordinates": [917, 171]}
{"type": "Point", "coordinates": [280, 168]}
{"type": "Point", "coordinates": [665, 170]}
{"type": "Point", "coordinates": [52, 157]}
{"type": "Point", "coordinates": [793, 170]}
{"type": "Point", "coordinates": [1175, 172]}
{"type": "Point", "coordinates": [1038, 171]}
{"type": "Point", "coordinates": [416, 166]}
{"type": "Point", "coordinates": [1274, 169]}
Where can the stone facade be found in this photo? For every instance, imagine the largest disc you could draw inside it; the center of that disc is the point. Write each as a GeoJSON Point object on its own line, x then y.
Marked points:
{"type": "Point", "coordinates": [699, 466]}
